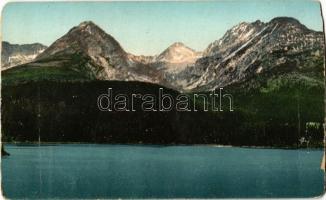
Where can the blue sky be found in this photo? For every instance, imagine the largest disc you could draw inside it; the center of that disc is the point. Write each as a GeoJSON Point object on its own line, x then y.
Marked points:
{"type": "Point", "coordinates": [149, 27]}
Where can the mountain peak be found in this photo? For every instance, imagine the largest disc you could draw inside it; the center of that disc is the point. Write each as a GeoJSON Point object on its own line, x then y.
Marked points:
{"type": "Point", "coordinates": [87, 38]}
{"type": "Point", "coordinates": [87, 27]}
{"type": "Point", "coordinates": [288, 21]}
{"type": "Point", "coordinates": [178, 52]}
{"type": "Point", "coordinates": [87, 23]}
{"type": "Point", "coordinates": [289, 24]}
{"type": "Point", "coordinates": [177, 44]}
{"type": "Point", "coordinates": [285, 20]}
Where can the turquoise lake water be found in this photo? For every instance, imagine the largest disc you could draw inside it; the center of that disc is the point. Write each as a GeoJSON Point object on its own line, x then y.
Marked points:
{"type": "Point", "coordinates": [144, 171]}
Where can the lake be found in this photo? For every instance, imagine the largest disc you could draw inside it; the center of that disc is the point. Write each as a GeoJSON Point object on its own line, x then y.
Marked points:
{"type": "Point", "coordinates": [145, 171]}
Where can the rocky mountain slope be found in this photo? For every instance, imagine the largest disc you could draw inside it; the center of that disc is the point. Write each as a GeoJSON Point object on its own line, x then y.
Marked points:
{"type": "Point", "coordinates": [248, 50]}
{"type": "Point", "coordinates": [104, 58]}
{"type": "Point", "coordinates": [15, 54]}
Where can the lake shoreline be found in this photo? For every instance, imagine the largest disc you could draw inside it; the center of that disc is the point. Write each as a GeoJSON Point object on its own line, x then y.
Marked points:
{"type": "Point", "coordinates": [158, 145]}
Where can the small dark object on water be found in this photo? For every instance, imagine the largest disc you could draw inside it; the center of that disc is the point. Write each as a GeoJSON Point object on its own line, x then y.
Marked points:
{"type": "Point", "coordinates": [3, 152]}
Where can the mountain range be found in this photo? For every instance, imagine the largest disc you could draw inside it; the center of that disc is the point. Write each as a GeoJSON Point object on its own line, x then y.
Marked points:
{"type": "Point", "coordinates": [246, 52]}
{"type": "Point", "coordinates": [15, 54]}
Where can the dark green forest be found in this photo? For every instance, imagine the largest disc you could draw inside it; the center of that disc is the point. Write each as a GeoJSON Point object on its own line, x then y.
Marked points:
{"type": "Point", "coordinates": [276, 113]}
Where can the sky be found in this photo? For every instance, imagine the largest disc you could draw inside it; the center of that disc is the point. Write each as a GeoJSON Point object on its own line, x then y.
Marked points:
{"type": "Point", "coordinates": [147, 28]}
